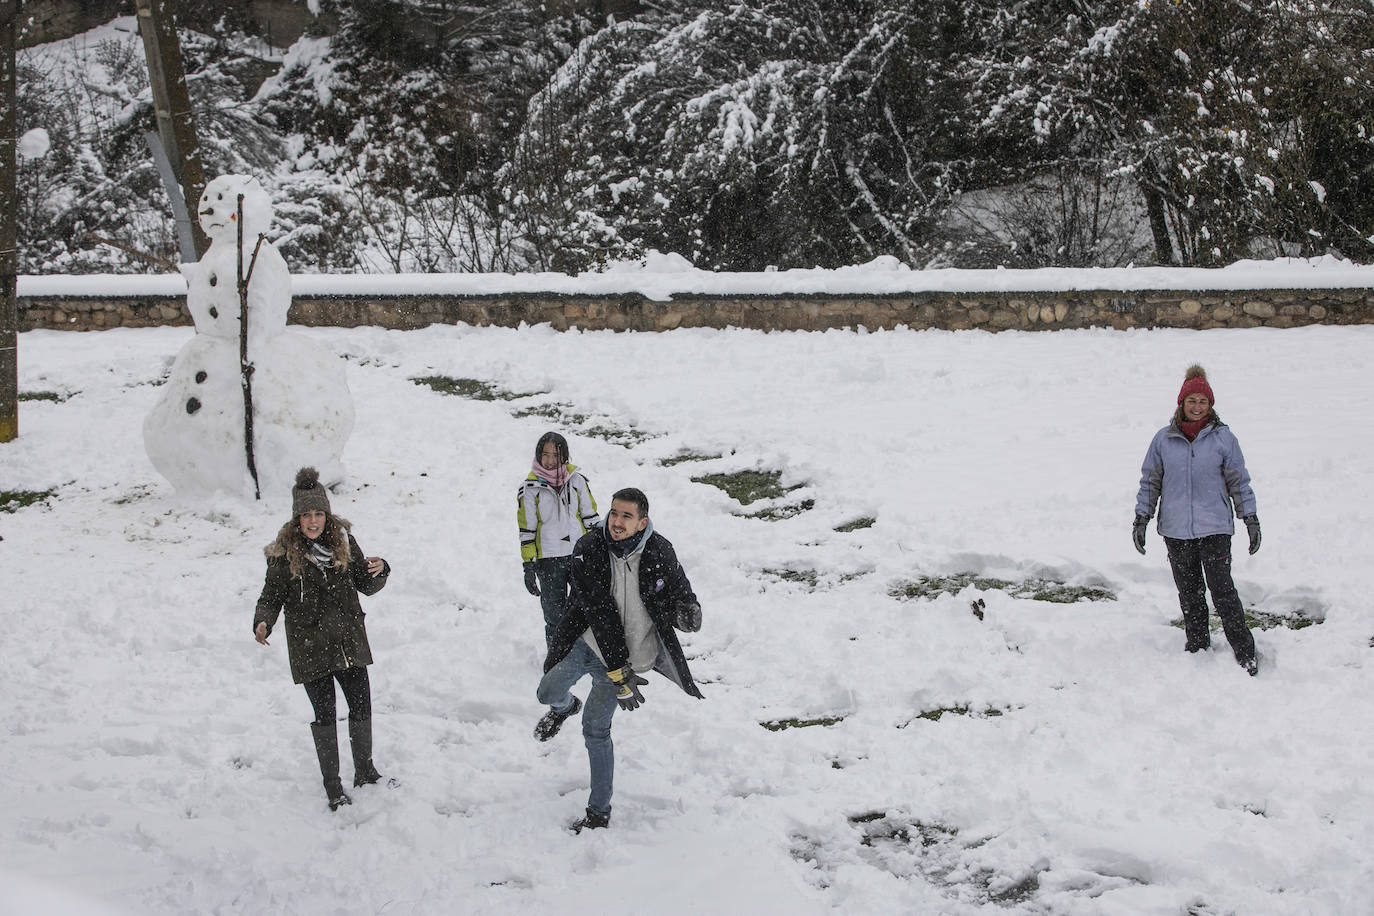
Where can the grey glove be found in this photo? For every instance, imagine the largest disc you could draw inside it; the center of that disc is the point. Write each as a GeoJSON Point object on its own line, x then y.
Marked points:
{"type": "Point", "coordinates": [627, 685]}
{"type": "Point", "coordinates": [1252, 528]}
{"type": "Point", "coordinates": [689, 617]}
{"type": "Point", "coordinates": [531, 583]}
{"type": "Point", "coordinates": [1138, 533]}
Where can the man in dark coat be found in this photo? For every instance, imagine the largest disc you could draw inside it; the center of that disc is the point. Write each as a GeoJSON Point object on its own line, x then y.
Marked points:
{"type": "Point", "coordinates": [628, 594]}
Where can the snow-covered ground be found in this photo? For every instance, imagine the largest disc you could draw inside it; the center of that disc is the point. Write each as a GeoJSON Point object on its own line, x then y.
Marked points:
{"type": "Point", "coordinates": [157, 760]}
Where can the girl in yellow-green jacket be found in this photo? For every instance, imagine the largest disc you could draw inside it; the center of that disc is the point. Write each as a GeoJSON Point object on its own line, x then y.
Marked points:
{"type": "Point", "coordinates": [553, 508]}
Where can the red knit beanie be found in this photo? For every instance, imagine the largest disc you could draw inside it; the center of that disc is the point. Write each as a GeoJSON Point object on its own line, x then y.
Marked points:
{"type": "Point", "coordinates": [1195, 382]}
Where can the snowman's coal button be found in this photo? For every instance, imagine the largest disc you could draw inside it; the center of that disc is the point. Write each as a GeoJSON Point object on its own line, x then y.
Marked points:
{"type": "Point", "coordinates": [214, 279]}
{"type": "Point", "coordinates": [214, 312]}
{"type": "Point", "coordinates": [192, 405]}
{"type": "Point", "coordinates": [200, 376]}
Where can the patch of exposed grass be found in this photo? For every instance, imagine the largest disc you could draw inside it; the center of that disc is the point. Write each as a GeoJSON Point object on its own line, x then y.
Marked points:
{"type": "Point", "coordinates": [1061, 593]}
{"type": "Point", "coordinates": [1297, 619]}
{"type": "Point", "coordinates": [1034, 589]}
{"type": "Point", "coordinates": [683, 457]}
{"type": "Point", "coordinates": [475, 389]}
{"type": "Point", "coordinates": [44, 396]}
{"type": "Point", "coordinates": [935, 586]}
{"type": "Point", "coordinates": [626, 437]}
{"type": "Point", "coordinates": [807, 577]}
{"type": "Point", "coordinates": [1255, 619]}
{"type": "Point", "coordinates": [745, 487]}
{"type": "Point", "coordinates": [934, 715]}
{"type": "Point", "coordinates": [1015, 892]}
{"type": "Point", "coordinates": [14, 500]}
{"type": "Point", "coordinates": [778, 725]}
{"type": "Point", "coordinates": [137, 493]}
{"type": "Point", "coordinates": [857, 524]}
{"type": "Point", "coordinates": [563, 413]}
{"type": "Point", "coordinates": [937, 854]}
{"type": "Point", "coordinates": [778, 513]}
{"type": "Point", "coordinates": [879, 827]}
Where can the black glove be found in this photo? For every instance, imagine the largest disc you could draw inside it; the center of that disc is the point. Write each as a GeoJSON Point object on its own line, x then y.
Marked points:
{"type": "Point", "coordinates": [689, 616]}
{"type": "Point", "coordinates": [531, 583]}
{"type": "Point", "coordinates": [1252, 526]}
{"type": "Point", "coordinates": [1138, 533]}
{"type": "Point", "coordinates": [627, 685]}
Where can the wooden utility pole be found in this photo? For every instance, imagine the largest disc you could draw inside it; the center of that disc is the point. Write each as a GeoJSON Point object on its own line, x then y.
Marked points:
{"type": "Point", "coordinates": [172, 103]}
{"type": "Point", "coordinates": [9, 230]}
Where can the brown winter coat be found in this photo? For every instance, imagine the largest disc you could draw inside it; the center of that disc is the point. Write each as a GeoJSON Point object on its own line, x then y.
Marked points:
{"type": "Point", "coordinates": [324, 620]}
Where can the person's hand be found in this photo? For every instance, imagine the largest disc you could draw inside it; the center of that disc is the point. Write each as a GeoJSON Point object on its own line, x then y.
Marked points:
{"type": "Point", "coordinates": [260, 633]}
{"type": "Point", "coordinates": [1252, 528]}
{"type": "Point", "coordinates": [1138, 533]}
{"type": "Point", "coordinates": [375, 565]}
{"type": "Point", "coordinates": [627, 685]}
{"type": "Point", "coordinates": [689, 616]}
{"type": "Point", "coordinates": [531, 583]}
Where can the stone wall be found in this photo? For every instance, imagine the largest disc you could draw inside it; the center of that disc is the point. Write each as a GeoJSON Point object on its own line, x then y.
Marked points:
{"type": "Point", "coordinates": [950, 311]}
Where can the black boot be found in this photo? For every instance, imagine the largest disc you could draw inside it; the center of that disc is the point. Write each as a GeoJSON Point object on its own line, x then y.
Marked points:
{"type": "Point", "coordinates": [360, 738]}
{"type": "Point", "coordinates": [590, 821]}
{"type": "Point", "coordinates": [327, 750]}
{"type": "Point", "coordinates": [553, 720]}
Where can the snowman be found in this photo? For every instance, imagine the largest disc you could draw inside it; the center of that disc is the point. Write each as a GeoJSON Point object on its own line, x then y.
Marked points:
{"type": "Point", "coordinates": [302, 409]}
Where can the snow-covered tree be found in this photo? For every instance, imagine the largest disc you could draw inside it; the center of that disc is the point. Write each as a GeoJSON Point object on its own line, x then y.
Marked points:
{"type": "Point", "coordinates": [785, 132]}
{"type": "Point", "coordinates": [1233, 119]}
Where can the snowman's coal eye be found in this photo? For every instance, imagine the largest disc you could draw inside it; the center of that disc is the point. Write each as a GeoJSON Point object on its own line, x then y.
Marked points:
{"type": "Point", "coordinates": [192, 405]}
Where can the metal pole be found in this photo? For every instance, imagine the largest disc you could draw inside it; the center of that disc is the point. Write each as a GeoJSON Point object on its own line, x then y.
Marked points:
{"type": "Point", "coordinates": [186, 239]}
{"type": "Point", "coordinates": [9, 230]}
{"type": "Point", "coordinates": [172, 104]}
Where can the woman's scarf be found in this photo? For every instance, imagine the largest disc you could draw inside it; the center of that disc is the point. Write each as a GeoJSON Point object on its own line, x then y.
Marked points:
{"type": "Point", "coordinates": [554, 478]}
{"type": "Point", "coordinates": [320, 555]}
{"type": "Point", "coordinates": [1191, 428]}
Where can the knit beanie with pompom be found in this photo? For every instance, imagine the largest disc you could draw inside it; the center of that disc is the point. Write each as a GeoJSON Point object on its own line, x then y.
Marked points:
{"type": "Point", "coordinates": [1195, 382]}
{"type": "Point", "coordinates": [308, 494]}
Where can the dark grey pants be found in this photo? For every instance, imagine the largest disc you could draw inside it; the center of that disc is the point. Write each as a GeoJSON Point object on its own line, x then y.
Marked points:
{"type": "Point", "coordinates": [357, 690]}
{"type": "Point", "coordinates": [553, 591]}
{"type": "Point", "coordinates": [1201, 565]}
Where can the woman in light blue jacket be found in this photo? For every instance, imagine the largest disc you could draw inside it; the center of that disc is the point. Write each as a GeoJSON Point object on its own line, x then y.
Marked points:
{"type": "Point", "coordinates": [1195, 472]}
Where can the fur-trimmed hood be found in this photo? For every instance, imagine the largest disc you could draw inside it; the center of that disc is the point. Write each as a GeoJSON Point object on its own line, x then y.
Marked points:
{"type": "Point", "coordinates": [291, 544]}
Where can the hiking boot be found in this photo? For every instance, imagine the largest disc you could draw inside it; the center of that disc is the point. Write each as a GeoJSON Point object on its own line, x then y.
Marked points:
{"type": "Point", "coordinates": [553, 720]}
{"type": "Point", "coordinates": [590, 821]}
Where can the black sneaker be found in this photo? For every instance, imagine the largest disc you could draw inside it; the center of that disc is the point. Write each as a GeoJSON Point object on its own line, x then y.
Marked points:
{"type": "Point", "coordinates": [338, 801]}
{"type": "Point", "coordinates": [553, 720]}
{"type": "Point", "coordinates": [590, 821]}
{"type": "Point", "coordinates": [1251, 666]}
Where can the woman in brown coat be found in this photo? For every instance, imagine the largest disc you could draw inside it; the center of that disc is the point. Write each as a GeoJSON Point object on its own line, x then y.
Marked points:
{"type": "Point", "coordinates": [315, 571]}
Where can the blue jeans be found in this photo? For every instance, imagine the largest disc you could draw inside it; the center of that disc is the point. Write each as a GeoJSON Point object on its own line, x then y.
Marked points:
{"type": "Point", "coordinates": [596, 716]}
{"type": "Point", "coordinates": [552, 573]}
